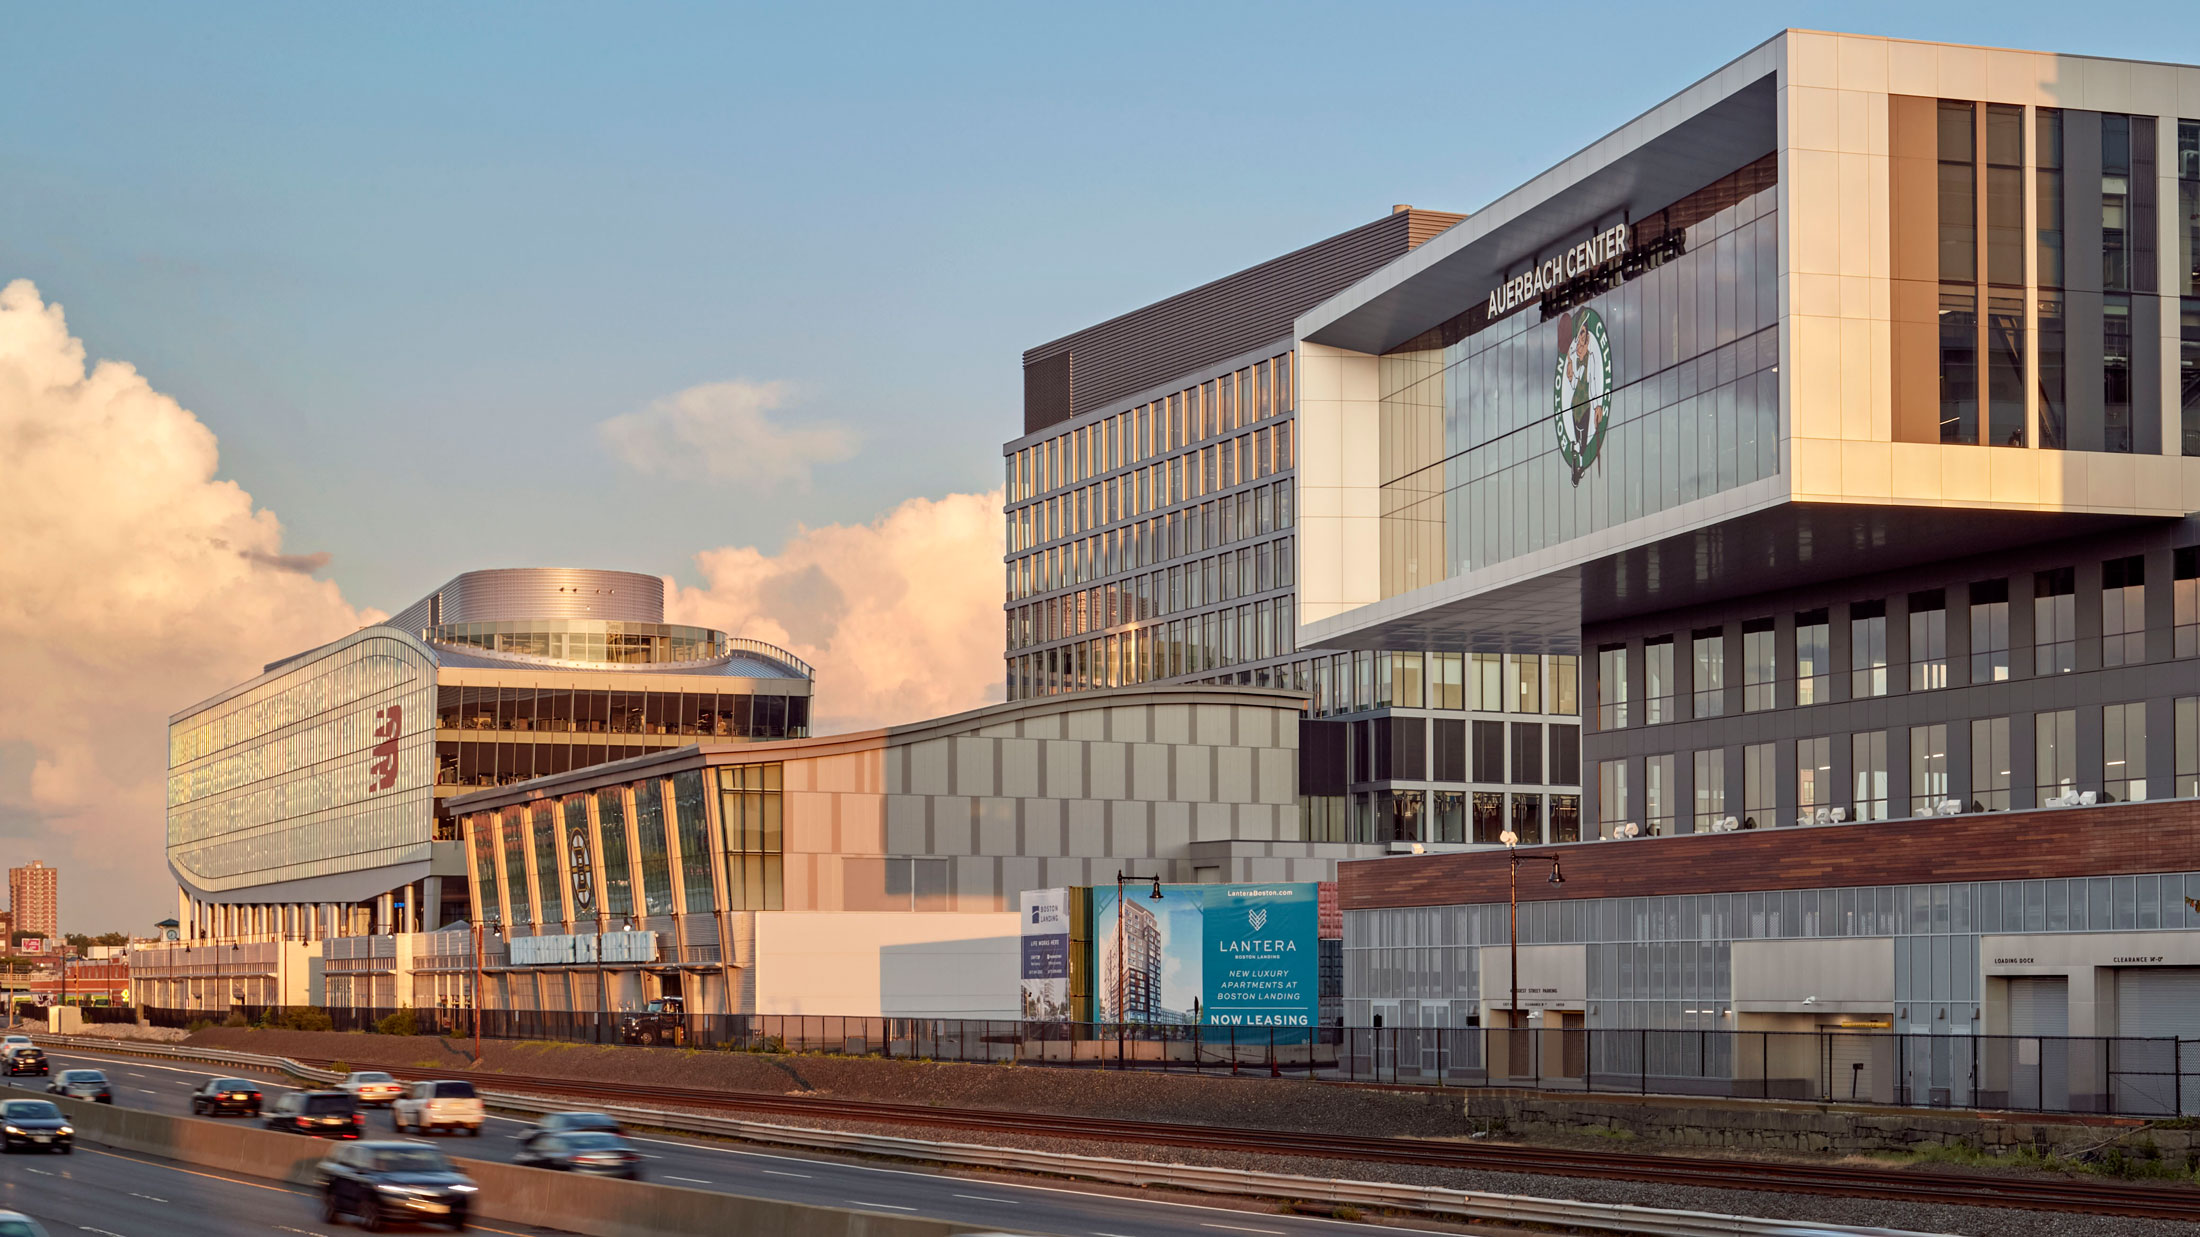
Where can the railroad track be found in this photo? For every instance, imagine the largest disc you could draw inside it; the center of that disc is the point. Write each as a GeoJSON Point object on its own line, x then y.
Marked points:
{"type": "Point", "coordinates": [2142, 1201]}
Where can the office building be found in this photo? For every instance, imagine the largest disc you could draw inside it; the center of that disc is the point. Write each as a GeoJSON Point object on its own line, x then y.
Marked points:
{"type": "Point", "coordinates": [34, 899]}
{"type": "Point", "coordinates": [310, 802]}
{"type": "Point", "coordinates": [1843, 413]}
{"type": "Point", "coordinates": [1153, 514]}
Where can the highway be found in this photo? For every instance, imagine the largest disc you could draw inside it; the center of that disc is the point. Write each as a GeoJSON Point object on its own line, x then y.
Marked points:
{"type": "Point", "coordinates": [981, 1204]}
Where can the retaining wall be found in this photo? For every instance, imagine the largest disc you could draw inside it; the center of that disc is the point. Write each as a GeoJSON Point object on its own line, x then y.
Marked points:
{"type": "Point", "coordinates": [596, 1206]}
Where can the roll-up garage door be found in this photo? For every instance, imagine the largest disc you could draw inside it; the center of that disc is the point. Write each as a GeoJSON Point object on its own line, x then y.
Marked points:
{"type": "Point", "coordinates": [2039, 1018]}
{"type": "Point", "coordinates": [2160, 1004]}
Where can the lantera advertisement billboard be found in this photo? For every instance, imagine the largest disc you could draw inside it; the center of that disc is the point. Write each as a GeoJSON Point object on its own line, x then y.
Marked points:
{"type": "Point", "coordinates": [1214, 955]}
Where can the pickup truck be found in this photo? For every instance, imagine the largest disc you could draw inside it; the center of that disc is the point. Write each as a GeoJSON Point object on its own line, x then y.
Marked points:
{"type": "Point", "coordinates": [659, 1022]}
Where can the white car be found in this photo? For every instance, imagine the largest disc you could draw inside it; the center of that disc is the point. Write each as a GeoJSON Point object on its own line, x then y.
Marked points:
{"type": "Point", "coordinates": [16, 1224]}
{"type": "Point", "coordinates": [371, 1087]}
{"type": "Point", "coordinates": [445, 1104]}
{"type": "Point", "coordinates": [15, 1041]}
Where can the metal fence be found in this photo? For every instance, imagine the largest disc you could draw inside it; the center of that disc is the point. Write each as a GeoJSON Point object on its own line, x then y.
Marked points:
{"type": "Point", "coordinates": [2133, 1076]}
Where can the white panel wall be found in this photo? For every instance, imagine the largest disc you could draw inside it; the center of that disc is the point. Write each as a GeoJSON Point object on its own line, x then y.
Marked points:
{"type": "Point", "coordinates": [886, 964]}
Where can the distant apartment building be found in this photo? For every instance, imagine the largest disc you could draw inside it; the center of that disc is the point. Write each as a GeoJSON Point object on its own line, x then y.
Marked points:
{"type": "Point", "coordinates": [1153, 522]}
{"type": "Point", "coordinates": [34, 899]}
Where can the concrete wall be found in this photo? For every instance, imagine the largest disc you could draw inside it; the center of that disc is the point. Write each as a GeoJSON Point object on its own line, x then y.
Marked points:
{"type": "Point", "coordinates": [886, 964]}
{"type": "Point", "coordinates": [1851, 975]}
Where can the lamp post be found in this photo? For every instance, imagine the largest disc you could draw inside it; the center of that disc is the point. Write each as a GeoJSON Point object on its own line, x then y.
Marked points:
{"type": "Point", "coordinates": [1122, 960]}
{"type": "Point", "coordinates": [1512, 854]}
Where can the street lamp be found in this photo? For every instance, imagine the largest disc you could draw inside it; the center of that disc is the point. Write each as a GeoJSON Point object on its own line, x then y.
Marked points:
{"type": "Point", "coordinates": [1512, 853]}
{"type": "Point", "coordinates": [1122, 961]}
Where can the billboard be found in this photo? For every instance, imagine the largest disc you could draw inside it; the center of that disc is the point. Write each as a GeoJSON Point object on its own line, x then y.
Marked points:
{"type": "Point", "coordinates": [1046, 955]}
{"type": "Point", "coordinates": [1214, 955]}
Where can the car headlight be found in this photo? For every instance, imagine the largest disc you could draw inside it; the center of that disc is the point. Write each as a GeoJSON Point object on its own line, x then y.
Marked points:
{"type": "Point", "coordinates": [397, 1189]}
{"type": "Point", "coordinates": [464, 1189]}
{"type": "Point", "coordinates": [67, 1129]}
{"type": "Point", "coordinates": [14, 1129]}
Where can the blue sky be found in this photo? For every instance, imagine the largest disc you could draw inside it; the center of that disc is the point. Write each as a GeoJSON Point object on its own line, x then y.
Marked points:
{"type": "Point", "coordinates": [404, 259]}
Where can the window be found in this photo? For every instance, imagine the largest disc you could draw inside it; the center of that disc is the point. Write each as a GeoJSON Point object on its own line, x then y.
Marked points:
{"type": "Point", "coordinates": [1760, 665]}
{"type": "Point", "coordinates": [693, 824]}
{"type": "Point", "coordinates": [1446, 688]}
{"type": "Point", "coordinates": [1486, 681]}
{"type": "Point", "coordinates": [1447, 816]}
{"type": "Point", "coordinates": [1868, 762]}
{"type": "Point", "coordinates": [1612, 687]}
{"type": "Point", "coordinates": [2188, 747]}
{"type": "Point", "coordinates": [1990, 764]}
{"type": "Point", "coordinates": [1489, 752]}
{"type": "Point", "coordinates": [755, 839]}
{"type": "Point", "coordinates": [2124, 752]}
{"type": "Point", "coordinates": [2047, 242]}
{"type": "Point", "coordinates": [1657, 678]}
{"type": "Point", "coordinates": [1527, 753]}
{"type": "Point", "coordinates": [1523, 683]}
{"type": "Point", "coordinates": [2188, 208]}
{"type": "Point", "coordinates": [2123, 611]}
{"type": "Point", "coordinates": [1990, 631]}
{"type": "Point", "coordinates": [1405, 680]}
{"type": "Point", "coordinates": [1928, 769]}
{"type": "Point", "coordinates": [2055, 621]}
{"type": "Point", "coordinates": [1867, 649]}
{"type": "Point", "coordinates": [2054, 755]}
{"type": "Point", "coordinates": [1527, 818]}
{"type": "Point", "coordinates": [1958, 211]}
{"type": "Point", "coordinates": [1760, 785]}
{"type": "Point", "coordinates": [1928, 641]}
{"type": "Point", "coordinates": [543, 823]}
{"type": "Point", "coordinates": [649, 828]}
{"type": "Point", "coordinates": [515, 867]}
{"type": "Point", "coordinates": [1565, 693]}
{"type": "Point", "coordinates": [1565, 818]}
{"type": "Point", "coordinates": [1611, 796]}
{"type": "Point", "coordinates": [1565, 766]}
{"type": "Point", "coordinates": [1710, 666]}
{"type": "Point", "coordinates": [487, 892]}
{"type": "Point", "coordinates": [1813, 780]}
{"type": "Point", "coordinates": [1489, 817]}
{"type": "Point", "coordinates": [1398, 816]}
{"type": "Point", "coordinates": [1658, 788]}
{"type": "Point", "coordinates": [618, 875]}
{"type": "Point", "coordinates": [1813, 661]}
{"type": "Point", "coordinates": [1710, 788]}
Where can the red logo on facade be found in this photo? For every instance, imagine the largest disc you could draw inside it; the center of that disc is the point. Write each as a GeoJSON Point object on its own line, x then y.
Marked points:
{"type": "Point", "coordinates": [388, 724]}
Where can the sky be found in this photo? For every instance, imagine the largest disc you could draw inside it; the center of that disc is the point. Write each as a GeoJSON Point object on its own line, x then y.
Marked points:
{"type": "Point", "coordinates": [731, 294]}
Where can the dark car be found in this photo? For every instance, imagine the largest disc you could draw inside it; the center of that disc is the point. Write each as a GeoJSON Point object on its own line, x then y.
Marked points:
{"type": "Point", "coordinates": [582, 1151]}
{"type": "Point", "coordinates": [27, 1061]}
{"type": "Point", "coordinates": [326, 1114]}
{"type": "Point", "coordinates": [220, 1095]}
{"type": "Point", "coordinates": [381, 1182]}
{"type": "Point", "coordinates": [658, 1022]}
{"type": "Point", "coordinates": [570, 1122]}
{"type": "Point", "coordinates": [35, 1124]}
{"type": "Point", "coordinates": [82, 1084]}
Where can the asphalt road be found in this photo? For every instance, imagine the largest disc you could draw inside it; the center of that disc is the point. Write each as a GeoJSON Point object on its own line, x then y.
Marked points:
{"type": "Point", "coordinates": [109, 1195]}
{"type": "Point", "coordinates": [981, 1204]}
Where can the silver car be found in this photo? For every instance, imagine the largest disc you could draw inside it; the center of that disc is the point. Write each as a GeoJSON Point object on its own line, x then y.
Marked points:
{"type": "Point", "coordinates": [16, 1224]}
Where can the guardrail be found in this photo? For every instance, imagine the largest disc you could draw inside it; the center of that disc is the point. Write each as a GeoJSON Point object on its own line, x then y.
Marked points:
{"type": "Point", "coordinates": [1455, 1204]}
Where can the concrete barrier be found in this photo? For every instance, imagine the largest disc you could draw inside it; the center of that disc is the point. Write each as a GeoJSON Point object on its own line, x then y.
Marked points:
{"type": "Point", "coordinates": [596, 1206]}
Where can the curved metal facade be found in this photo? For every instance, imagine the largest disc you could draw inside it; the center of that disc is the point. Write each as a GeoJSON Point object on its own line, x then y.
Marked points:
{"type": "Point", "coordinates": [517, 593]}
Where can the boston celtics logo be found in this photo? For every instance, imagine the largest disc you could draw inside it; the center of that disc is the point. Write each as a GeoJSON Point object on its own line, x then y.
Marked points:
{"type": "Point", "coordinates": [1581, 390]}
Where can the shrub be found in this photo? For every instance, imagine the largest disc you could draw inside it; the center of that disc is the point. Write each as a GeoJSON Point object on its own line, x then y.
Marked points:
{"type": "Point", "coordinates": [306, 1018]}
{"type": "Point", "coordinates": [195, 1026]}
{"type": "Point", "coordinates": [403, 1022]}
{"type": "Point", "coordinates": [236, 1019]}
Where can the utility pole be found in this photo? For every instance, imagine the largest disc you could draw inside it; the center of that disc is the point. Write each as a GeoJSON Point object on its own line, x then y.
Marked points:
{"type": "Point", "coordinates": [478, 948]}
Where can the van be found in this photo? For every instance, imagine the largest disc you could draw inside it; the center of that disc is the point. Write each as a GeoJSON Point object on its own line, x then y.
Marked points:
{"type": "Point", "coordinates": [444, 1104]}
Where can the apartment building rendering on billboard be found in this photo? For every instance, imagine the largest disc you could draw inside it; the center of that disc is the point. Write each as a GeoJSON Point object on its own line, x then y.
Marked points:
{"type": "Point", "coordinates": [1153, 518]}
{"type": "Point", "coordinates": [1842, 414]}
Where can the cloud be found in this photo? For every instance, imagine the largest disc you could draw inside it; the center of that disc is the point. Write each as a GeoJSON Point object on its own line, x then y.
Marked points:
{"type": "Point", "coordinates": [901, 616]}
{"type": "Point", "coordinates": [133, 584]}
{"type": "Point", "coordinates": [723, 431]}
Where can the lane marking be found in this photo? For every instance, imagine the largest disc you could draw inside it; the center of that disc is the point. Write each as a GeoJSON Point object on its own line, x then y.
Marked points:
{"type": "Point", "coordinates": [147, 1091]}
{"type": "Point", "coordinates": [885, 1206]}
{"type": "Point", "coordinates": [41, 1172]}
{"type": "Point", "coordinates": [103, 1232]}
{"type": "Point", "coordinates": [1239, 1228]}
{"type": "Point", "coordinates": [773, 1172]}
{"type": "Point", "coordinates": [689, 1180]}
{"type": "Point", "coordinates": [980, 1198]}
{"type": "Point", "coordinates": [147, 1197]}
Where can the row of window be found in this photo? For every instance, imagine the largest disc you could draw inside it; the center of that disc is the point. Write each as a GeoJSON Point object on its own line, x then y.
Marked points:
{"type": "Point", "coordinates": [1870, 672]}
{"type": "Point", "coordinates": [1211, 525]}
{"type": "Point", "coordinates": [1822, 797]}
{"type": "Point", "coordinates": [1442, 817]}
{"type": "Point", "coordinates": [614, 852]}
{"type": "Point", "coordinates": [1481, 682]}
{"type": "Point", "coordinates": [1153, 595]}
{"type": "Point", "coordinates": [1408, 748]}
{"type": "Point", "coordinates": [1193, 415]}
{"type": "Point", "coordinates": [1210, 470]}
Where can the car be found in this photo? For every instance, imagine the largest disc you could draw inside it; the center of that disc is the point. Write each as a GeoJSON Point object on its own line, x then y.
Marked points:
{"type": "Point", "coordinates": [16, 1224]}
{"type": "Point", "coordinates": [82, 1084]}
{"type": "Point", "coordinates": [325, 1114]}
{"type": "Point", "coordinates": [376, 1182]}
{"type": "Point", "coordinates": [441, 1104]}
{"type": "Point", "coordinates": [10, 1041]}
{"type": "Point", "coordinates": [568, 1122]}
{"type": "Point", "coordinates": [221, 1095]}
{"type": "Point", "coordinates": [37, 1125]}
{"type": "Point", "coordinates": [24, 1059]}
{"type": "Point", "coordinates": [371, 1087]}
{"type": "Point", "coordinates": [581, 1151]}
